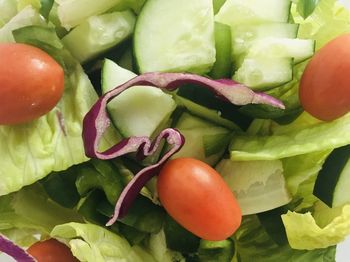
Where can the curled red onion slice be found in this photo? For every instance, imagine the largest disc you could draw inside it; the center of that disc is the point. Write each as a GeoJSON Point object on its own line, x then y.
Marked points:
{"type": "Point", "coordinates": [11, 249]}
{"type": "Point", "coordinates": [97, 121]}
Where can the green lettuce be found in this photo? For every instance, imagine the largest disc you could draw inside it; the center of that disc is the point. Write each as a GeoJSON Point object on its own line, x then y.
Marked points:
{"type": "Point", "coordinates": [304, 232]}
{"type": "Point", "coordinates": [318, 137]}
{"type": "Point", "coordinates": [300, 173]}
{"type": "Point", "coordinates": [254, 244]}
{"type": "Point", "coordinates": [30, 211]}
{"type": "Point", "coordinates": [93, 243]}
{"type": "Point", "coordinates": [52, 142]}
{"type": "Point", "coordinates": [27, 16]}
{"type": "Point", "coordinates": [328, 20]}
{"type": "Point", "coordinates": [8, 9]}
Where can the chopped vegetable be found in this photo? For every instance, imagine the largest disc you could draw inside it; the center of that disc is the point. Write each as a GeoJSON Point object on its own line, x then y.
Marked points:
{"type": "Point", "coordinates": [325, 84]}
{"type": "Point", "coordinates": [97, 121]}
{"type": "Point", "coordinates": [51, 250]}
{"type": "Point", "coordinates": [196, 196]}
{"type": "Point", "coordinates": [34, 90]}
{"type": "Point", "coordinates": [8, 247]}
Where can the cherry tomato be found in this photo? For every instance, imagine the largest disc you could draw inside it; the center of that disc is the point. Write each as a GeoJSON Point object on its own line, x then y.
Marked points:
{"type": "Point", "coordinates": [197, 197]}
{"type": "Point", "coordinates": [51, 250]}
{"type": "Point", "coordinates": [31, 83]}
{"type": "Point", "coordinates": [325, 84]}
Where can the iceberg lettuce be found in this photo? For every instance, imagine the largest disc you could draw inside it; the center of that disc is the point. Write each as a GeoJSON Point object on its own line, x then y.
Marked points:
{"type": "Point", "coordinates": [53, 142]}
{"type": "Point", "coordinates": [304, 232]}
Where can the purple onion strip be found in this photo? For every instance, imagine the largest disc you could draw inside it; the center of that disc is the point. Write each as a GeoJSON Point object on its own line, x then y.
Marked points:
{"type": "Point", "coordinates": [11, 249]}
{"type": "Point", "coordinates": [130, 192]}
{"type": "Point", "coordinates": [97, 121]}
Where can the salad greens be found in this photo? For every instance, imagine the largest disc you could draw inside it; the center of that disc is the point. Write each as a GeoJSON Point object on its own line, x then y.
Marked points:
{"type": "Point", "coordinates": [49, 187]}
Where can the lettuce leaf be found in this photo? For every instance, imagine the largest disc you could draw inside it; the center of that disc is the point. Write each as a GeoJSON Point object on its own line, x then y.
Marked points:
{"type": "Point", "coordinates": [93, 243]}
{"type": "Point", "coordinates": [303, 232]}
{"type": "Point", "coordinates": [27, 16]}
{"type": "Point", "coordinates": [52, 142]}
{"type": "Point", "coordinates": [328, 20]}
{"type": "Point", "coordinates": [300, 173]}
{"type": "Point", "coordinates": [29, 212]}
{"type": "Point", "coordinates": [318, 137]}
{"type": "Point", "coordinates": [254, 244]}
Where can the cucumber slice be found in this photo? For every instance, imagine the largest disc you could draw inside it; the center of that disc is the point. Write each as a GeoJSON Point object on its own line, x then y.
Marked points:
{"type": "Point", "coordinates": [223, 64]}
{"type": "Point", "coordinates": [299, 49]}
{"type": "Point", "coordinates": [73, 13]}
{"type": "Point", "coordinates": [235, 12]}
{"type": "Point", "coordinates": [195, 130]}
{"type": "Point", "coordinates": [333, 181]}
{"type": "Point", "coordinates": [139, 110]}
{"type": "Point", "coordinates": [98, 34]}
{"type": "Point", "coordinates": [264, 72]}
{"type": "Point", "coordinates": [244, 35]}
{"type": "Point", "coordinates": [258, 185]}
{"type": "Point", "coordinates": [176, 36]}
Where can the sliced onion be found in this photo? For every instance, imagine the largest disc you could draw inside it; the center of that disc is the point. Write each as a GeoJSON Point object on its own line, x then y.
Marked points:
{"type": "Point", "coordinates": [97, 121]}
{"type": "Point", "coordinates": [11, 249]}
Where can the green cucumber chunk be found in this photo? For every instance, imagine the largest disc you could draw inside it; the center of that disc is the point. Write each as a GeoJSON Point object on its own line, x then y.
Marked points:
{"type": "Point", "coordinates": [223, 64]}
{"type": "Point", "coordinates": [258, 185]}
{"type": "Point", "coordinates": [197, 145]}
{"type": "Point", "coordinates": [244, 35]}
{"type": "Point", "coordinates": [299, 49]}
{"type": "Point", "coordinates": [139, 110]}
{"type": "Point", "coordinates": [175, 36]}
{"type": "Point", "coordinates": [98, 34]}
{"type": "Point", "coordinates": [264, 72]}
{"type": "Point", "coordinates": [333, 181]}
{"type": "Point", "coordinates": [235, 12]}
{"type": "Point", "coordinates": [73, 13]}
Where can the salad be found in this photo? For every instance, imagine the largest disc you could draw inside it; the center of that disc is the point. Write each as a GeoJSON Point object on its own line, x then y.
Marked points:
{"type": "Point", "coordinates": [163, 130]}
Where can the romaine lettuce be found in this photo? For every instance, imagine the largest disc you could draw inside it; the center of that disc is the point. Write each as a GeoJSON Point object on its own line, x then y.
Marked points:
{"type": "Point", "coordinates": [53, 142]}
{"type": "Point", "coordinates": [254, 244]}
{"type": "Point", "coordinates": [29, 212]}
{"type": "Point", "coordinates": [303, 232]}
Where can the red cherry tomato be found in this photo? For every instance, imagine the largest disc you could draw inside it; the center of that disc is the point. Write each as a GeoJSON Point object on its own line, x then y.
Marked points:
{"type": "Point", "coordinates": [197, 197]}
{"type": "Point", "coordinates": [325, 84]}
{"type": "Point", "coordinates": [31, 83]}
{"type": "Point", "coordinates": [51, 250]}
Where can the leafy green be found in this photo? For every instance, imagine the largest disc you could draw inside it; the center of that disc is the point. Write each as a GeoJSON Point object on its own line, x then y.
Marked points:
{"type": "Point", "coordinates": [254, 244]}
{"type": "Point", "coordinates": [27, 16]}
{"type": "Point", "coordinates": [8, 9]}
{"type": "Point", "coordinates": [329, 20]}
{"type": "Point", "coordinates": [306, 7]}
{"type": "Point", "coordinates": [304, 233]}
{"type": "Point", "coordinates": [93, 243]}
{"type": "Point", "coordinates": [45, 7]}
{"type": "Point", "coordinates": [317, 137]}
{"type": "Point", "coordinates": [30, 211]}
{"type": "Point", "coordinates": [52, 142]}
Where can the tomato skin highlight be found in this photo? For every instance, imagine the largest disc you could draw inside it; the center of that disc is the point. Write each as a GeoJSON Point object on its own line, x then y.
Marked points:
{"type": "Point", "coordinates": [197, 197]}
{"type": "Point", "coordinates": [325, 85]}
{"type": "Point", "coordinates": [51, 250]}
{"type": "Point", "coordinates": [32, 83]}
